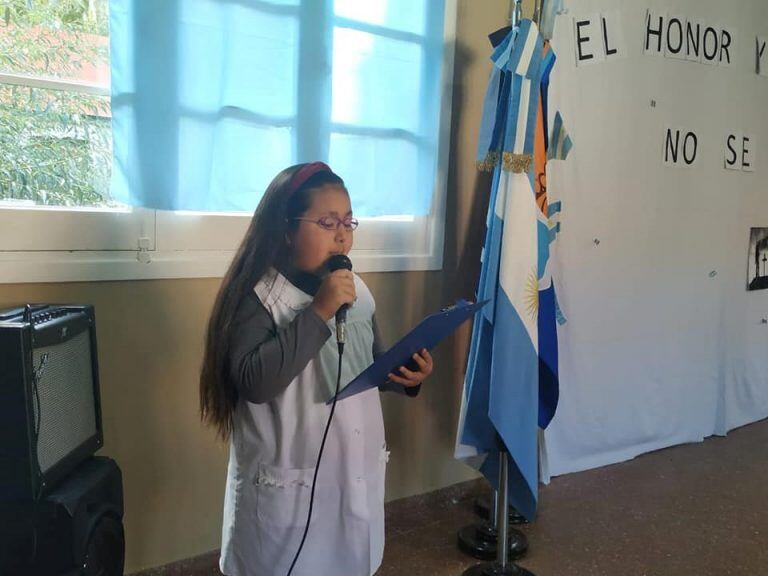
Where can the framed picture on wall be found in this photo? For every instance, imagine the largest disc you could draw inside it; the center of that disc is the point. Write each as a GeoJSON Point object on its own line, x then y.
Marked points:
{"type": "Point", "coordinates": [757, 267]}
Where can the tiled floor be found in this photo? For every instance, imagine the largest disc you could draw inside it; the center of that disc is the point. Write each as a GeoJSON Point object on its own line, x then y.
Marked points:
{"type": "Point", "coordinates": [422, 532]}
{"type": "Point", "coordinates": [698, 510]}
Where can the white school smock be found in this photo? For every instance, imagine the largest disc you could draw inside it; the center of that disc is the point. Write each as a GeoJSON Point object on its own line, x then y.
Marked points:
{"type": "Point", "coordinates": [274, 449]}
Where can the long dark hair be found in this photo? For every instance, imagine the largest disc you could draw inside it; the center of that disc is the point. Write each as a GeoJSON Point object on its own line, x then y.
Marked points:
{"type": "Point", "coordinates": [264, 245]}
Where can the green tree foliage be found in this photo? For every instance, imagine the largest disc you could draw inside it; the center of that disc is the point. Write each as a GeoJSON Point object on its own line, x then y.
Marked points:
{"type": "Point", "coordinates": [55, 145]}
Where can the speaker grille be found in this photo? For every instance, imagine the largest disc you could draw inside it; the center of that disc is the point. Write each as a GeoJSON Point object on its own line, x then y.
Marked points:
{"type": "Point", "coordinates": [67, 408]}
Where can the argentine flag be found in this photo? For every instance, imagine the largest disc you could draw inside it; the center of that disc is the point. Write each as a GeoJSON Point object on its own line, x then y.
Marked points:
{"type": "Point", "coordinates": [500, 404]}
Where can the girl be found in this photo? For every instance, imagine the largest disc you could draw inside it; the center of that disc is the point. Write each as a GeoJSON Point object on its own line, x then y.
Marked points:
{"type": "Point", "coordinates": [270, 366]}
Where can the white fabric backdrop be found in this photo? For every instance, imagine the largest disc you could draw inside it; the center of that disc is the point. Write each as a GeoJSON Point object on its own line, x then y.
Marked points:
{"type": "Point", "coordinates": [663, 344]}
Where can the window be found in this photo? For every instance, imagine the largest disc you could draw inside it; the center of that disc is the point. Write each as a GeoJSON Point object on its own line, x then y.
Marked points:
{"type": "Point", "coordinates": [55, 135]}
{"type": "Point", "coordinates": [58, 220]}
{"type": "Point", "coordinates": [54, 104]}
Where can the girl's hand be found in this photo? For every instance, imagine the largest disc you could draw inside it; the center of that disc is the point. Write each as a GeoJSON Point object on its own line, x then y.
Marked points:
{"type": "Point", "coordinates": [337, 289]}
{"type": "Point", "coordinates": [410, 378]}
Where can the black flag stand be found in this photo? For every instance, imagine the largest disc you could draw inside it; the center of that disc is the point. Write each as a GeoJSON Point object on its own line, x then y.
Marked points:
{"type": "Point", "coordinates": [502, 566]}
{"type": "Point", "coordinates": [480, 540]}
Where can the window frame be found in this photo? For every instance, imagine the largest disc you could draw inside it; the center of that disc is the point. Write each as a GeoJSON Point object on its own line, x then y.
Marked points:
{"type": "Point", "coordinates": [93, 244]}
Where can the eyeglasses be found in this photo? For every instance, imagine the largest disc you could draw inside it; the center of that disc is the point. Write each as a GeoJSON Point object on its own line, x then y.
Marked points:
{"type": "Point", "coordinates": [332, 223]}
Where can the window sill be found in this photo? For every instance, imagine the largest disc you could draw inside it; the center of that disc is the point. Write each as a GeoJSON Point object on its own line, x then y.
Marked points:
{"type": "Point", "coordinates": [32, 267]}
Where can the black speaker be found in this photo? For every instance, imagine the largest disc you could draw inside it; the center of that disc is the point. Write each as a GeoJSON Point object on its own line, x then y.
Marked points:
{"type": "Point", "coordinates": [50, 412]}
{"type": "Point", "coordinates": [61, 508]}
{"type": "Point", "coordinates": [75, 530]}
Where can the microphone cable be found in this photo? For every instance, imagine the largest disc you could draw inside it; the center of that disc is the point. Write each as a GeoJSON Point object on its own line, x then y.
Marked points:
{"type": "Point", "coordinates": [319, 456]}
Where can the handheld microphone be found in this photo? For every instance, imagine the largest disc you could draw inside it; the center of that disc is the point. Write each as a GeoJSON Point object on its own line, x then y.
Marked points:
{"type": "Point", "coordinates": [340, 262]}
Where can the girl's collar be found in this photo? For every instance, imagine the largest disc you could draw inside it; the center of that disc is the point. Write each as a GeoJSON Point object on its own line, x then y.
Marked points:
{"type": "Point", "coordinates": [305, 281]}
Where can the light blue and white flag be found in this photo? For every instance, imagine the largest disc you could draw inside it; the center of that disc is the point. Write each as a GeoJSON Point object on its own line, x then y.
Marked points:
{"type": "Point", "coordinates": [500, 402]}
{"type": "Point", "coordinates": [511, 386]}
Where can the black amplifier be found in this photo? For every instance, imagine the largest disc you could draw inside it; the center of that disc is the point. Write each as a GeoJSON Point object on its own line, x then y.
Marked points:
{"type": "Point", "coordinates": [50, 412]}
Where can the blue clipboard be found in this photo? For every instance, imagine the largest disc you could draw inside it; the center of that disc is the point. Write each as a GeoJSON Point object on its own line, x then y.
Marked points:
{"type": "Point", "coordinates": [426, 334]}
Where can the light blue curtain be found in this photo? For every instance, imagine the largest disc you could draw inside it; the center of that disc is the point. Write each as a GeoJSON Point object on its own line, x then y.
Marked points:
{"type": "Point", "coordinates": [212, 98]}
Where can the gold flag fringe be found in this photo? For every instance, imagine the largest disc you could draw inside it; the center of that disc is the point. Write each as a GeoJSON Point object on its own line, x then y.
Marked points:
{"type": "Point", "coordinates": [517, 163]}
{"type": "Point", "coordinates": [490, 161]}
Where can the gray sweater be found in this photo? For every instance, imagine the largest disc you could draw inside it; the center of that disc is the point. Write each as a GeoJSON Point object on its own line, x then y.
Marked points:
{"type": "Point", "coordinates": [264, 359]}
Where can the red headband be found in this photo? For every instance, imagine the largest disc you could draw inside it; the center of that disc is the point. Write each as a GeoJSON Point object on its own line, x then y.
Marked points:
{"type": "Point", "coordinates": [304, 173]}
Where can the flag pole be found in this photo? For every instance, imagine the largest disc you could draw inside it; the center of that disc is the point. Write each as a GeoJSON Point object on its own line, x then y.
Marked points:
{"type": "Point", "coordinates": [502, 566]}
{"type": "Point", "coordinates": [538, 12]}
{"type": "Point", "coordinates": [502, 501]}
{"type": "Point", "coordinates": [485, 511]}
{"type": "Point", "coordinates": [537, 7]}
{"type": "Point", "coordinates": [516, 12]}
